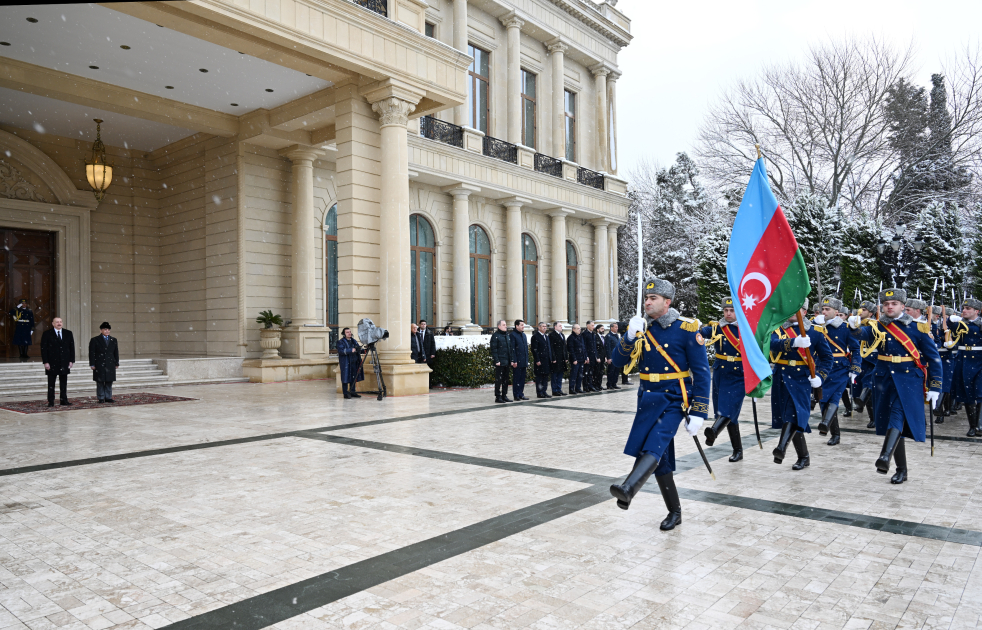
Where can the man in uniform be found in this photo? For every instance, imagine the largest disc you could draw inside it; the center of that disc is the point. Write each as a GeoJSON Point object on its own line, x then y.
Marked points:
{"type": "Point", "coordinates": [842, 370]}
{"type": "Point", "coordinates": [675, 384]}
{"type": "Point", "coordinates": [966, 337]}
{"type": "Point", "coordinates": [853, 377]}
{"type": "Point", "coordinates": [867, 314]}
{"type": "Point", "coordinates": [23, 326]}
{"type": "Point", "coordinates": [728, 391]}
{"type": "Point", "coordinates": [907, 354]}
{"type": "Point", "coordinates": [942, 333]}
{"type": "Point", "coordinates": [791, 391]}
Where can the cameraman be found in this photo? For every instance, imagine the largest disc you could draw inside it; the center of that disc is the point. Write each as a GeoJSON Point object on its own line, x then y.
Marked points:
{"type": "Point", "coordinates": [503, 358]}
{"type": "Point", "coordinates": [349, 363]}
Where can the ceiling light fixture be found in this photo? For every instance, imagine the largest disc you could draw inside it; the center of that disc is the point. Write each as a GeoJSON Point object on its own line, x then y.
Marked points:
{"type": "Point", "coordinates": [94, 67]}
{"type": "Point", "coordinates": [125, 47]}
{"type": "Point", "coordinates": [32, 20]}
{"type": "Point", "coordinates": [4, 43]}
{"type": "Point", "coordinates": [169, 87]}
{"type": "Point", "coordinates": [234, 104]}
{"type": "Point", "coordinates": [268, 90]}
{"type": "Point", "coordinates": [98, 172]}
{"type": "Point", "coordinates": [202, 69]}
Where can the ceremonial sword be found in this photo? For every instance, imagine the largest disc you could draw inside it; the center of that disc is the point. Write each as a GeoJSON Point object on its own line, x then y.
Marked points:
{"type": "Point", "coordinates": [930, 407]}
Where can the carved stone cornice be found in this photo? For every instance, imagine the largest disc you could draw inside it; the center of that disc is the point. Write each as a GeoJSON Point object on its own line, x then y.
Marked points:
{"type": "Point", "coordinates": [512, 20]}
{"type": "Point", "coordinates": [13, 185]}
{"type": "Point", "coordinates": [557, 46]}
{"type": "Point", "coordinates": [588, 14]}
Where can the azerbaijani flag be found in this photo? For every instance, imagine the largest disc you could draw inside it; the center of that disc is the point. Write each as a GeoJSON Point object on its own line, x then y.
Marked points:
{"type": "Point", "coordinates": [767, 276]}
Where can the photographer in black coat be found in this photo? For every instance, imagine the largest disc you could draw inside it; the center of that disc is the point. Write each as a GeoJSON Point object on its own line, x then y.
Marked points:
{"type": "Point", "coordinates": [58, 356]}
{"type": "Point", "coordinates": [557, 344]}
{"type": "Point", "coordinates": [542, 355]}
{"type": "Point", "coordinates": [103, 360]}
{"type": "Point", "coordinates": [503, 359]}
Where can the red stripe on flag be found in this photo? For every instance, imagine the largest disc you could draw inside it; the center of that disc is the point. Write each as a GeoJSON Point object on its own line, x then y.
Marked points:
{"type": "Point", "coordinates": [774, 253]}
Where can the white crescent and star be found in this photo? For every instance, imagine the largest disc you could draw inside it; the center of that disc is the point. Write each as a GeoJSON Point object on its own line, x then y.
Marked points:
{"type": "Point", "coordinates": [749, 301]}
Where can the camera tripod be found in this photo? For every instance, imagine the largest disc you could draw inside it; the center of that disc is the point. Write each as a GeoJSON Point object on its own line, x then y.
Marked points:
{"type": "Point", "coordinates": [379, 380]}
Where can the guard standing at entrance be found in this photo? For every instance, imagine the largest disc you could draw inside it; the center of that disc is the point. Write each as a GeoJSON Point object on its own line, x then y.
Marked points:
{"type": "Point", "coordinates": [24, 326]}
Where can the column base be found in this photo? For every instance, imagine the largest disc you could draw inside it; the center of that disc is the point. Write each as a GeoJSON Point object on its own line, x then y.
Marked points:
{"type": "Point", "coordinates": [278, 370]}
{"type": "Point", "coordinates": [470, 329]}
{"type": "Point", "coordinates": [306, 342]}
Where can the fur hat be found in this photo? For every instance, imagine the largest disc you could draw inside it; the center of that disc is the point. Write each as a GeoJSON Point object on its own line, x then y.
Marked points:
{"type": "Point", "coordinates": [660, 287]}
{"type": "Point", "coordinates": [727, 303]}
{"type": "Point", "coordinates": [869, 305]}
{"type": "Point", "coordinates": [920, 305]}
{"type": "Point", "coordinates": [899, 295]}
{"type": "Point", "coordinates": [833, 303]}
{"type": "Point", "coordinates": [972, 303]}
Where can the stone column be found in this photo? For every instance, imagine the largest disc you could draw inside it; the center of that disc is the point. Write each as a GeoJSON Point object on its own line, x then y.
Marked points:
{"type": "Point", "coordinates": [461, 255]}
{"type": "Point", "coordinates": [303, 301]}
{"type": "Point", "coordinates": [558, 51]}
{"type": "Point", "coordinates": [600, 73]}
{"type": "Point", "coordinates": [601, 271]}
{"type": "Point", "coordinates": [513, 259]}
{"type": "Point", "coordinates": [614, 274]}
{"type": "Point", "coordinates": [559, 310]}
{"type": "Point", "coordinates": [612, 123]}
{"type": "Point", "coordinates": [460, 42]}
{"type": "Point", "coordinates": [514, 74]}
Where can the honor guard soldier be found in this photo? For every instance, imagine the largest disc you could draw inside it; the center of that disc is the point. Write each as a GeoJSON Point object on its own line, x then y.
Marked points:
{"type": "Point", "coordinates": [907, 360]}
{"type": "Point", "coordinates": [792, 386]}
{"type": "Point", "coordinates": [842, 370]}
{"type": "Point", "coordinates": [942, 333]}
{"type": "Point", "coordinates": [867, 314]}
{"type": "Point", "coordinates": [966, 337]}
{"type": "Point", "coordinates": [844, 314]}
{"type": "Point", "coordinates": [674, 387]}
{"type": "Point", "coordinates": [728, 391]}
{"type": "Point", "coordinates": [23, 326]}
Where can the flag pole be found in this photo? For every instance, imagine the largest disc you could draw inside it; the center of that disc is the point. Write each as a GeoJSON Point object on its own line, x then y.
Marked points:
{"type": "Point", "coordinates": [640, 272]}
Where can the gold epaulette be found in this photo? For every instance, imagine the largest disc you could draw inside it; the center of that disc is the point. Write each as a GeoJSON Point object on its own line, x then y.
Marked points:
{"type": "Point", "coordinates": [690, 325]}
{"type": "Point", "coordinates": [924, 327]}
{"type": "Point", "coordinates": [820, 329]}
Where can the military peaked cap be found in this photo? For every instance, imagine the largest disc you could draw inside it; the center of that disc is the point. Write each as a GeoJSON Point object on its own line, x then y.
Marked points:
{"type": "Point", "coordinates": [920, 305]}
{"type": "Point", "coordinates": [972, 303]}
{"type": "Point", "coordinates": [660, 287]}
{"type": "Point", "coordinates": [833, 303]}
{"type": "Point", "coordinates": [900, 295]}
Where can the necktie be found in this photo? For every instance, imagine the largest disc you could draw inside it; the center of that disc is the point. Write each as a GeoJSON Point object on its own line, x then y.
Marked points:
{"type": "Point", "coordinates": [106, 339]}
{"type": "Point", "coordinates": [59, 335]}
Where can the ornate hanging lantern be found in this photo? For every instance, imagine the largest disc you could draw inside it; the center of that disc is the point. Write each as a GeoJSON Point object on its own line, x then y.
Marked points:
{"type": "Point", "coordinates": [98, 172]}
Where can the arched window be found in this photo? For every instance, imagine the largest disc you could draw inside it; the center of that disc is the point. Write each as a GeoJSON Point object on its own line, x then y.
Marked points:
{"type": "Point", "coordinates": [530, 280]}
{"type": "Point", "coordinates": [571, 284]}
{"type": "Point", "coordinates": [422, 255]}
{"type": "Point", "coordinates": [331, 272]}
{"type": "Point", "coordinates": [480, 248]}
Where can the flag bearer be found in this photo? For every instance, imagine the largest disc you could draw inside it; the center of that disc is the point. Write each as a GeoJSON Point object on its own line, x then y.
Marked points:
{"type": "Point", "coordinates": [942, 333]}
{"type": "Point", "coordinates": [724, 337]}
{"type": "Point", "coordinates": [791, 391]}
{"type": "Point", "coordinates": [907, 360]}
{"type": "Point", "coordinates": [966, 337]}
{"type": "Point", "coordinates": [867, 314]}
{"type": "Point", "coordinates": [842, 371]}
{"type": "Point", "coordinates": [674, 387]}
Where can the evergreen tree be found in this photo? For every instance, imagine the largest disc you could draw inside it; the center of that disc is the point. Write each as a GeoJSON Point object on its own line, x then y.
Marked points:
{"type": "Point", "coordinates": [816, 228]}
{"type": "Point", "coordinates": [906, 109]}
{"type": "Point", "coordinates": [972, 253]}
{"type": "Point", "coordinates": [942, 253]}
{"type": "Point", "coordinates": [860, 272]}
{"type": "Point", "coordinates": [944, 177]}
{"type": "Point", "coordinates": [711, 270]}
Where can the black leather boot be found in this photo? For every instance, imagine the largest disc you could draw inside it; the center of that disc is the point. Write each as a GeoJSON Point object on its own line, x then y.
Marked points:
{"type": "Point", "coordinates": [972, 411]}
{"type": "Point", "coordinates": [736, 441]}
{"type": "Point", "coordinates": [666, 483]}
{"type": "Point", "coordinates": [713, 432]}
{"type": "Point", "coordinates": [886, 453]}
{"type": "Point", "coordinates": [847, 403]}
{"type": "Point", "coordinates": [942, 409]}
{"type": "Point", "coordinates": [956, 407]}
{"type": "Point", "coordinates": [834, 430]}
{"type": "Point", "coordinates": [801, 449]}
{"type": "Point", "coordinates": [787, 431]}
{"type": "Point", "coordinates": [900, 456]}
{"type": "Point", "coordinates": [624, 492]}
{"type": "Point", "coordinates": [863, 399]}
{"type": "Point", "coordinates": [827, 414]}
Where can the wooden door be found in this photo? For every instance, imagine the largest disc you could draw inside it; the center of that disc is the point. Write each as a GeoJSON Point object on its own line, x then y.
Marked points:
{"type": "Point", "coordinates": [28, 272]}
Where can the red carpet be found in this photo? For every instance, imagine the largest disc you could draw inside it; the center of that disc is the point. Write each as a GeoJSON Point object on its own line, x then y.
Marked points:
{"type": "Point", "coordinates": [90, 402]}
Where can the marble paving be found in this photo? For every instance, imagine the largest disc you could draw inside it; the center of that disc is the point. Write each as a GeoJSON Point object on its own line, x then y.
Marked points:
{"type": "Point", "coordinates": [285, 506]}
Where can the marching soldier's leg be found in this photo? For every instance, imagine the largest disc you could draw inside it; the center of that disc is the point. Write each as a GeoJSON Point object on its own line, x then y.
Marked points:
{"type": "Point", "coordinates": [886, 453]}
{"type": "Point", "coordinates": [801, 449]}
{"type": "Point", "coordinates": [713, 432]}
{"type": "Point", "coordinates": [626, 504]}
{"type": "Point", "coordinates": [900, 456]}
{"type": "Point", "coordinates": [787, 432]}
{"type": "Point", "coordinates": [847, 403]}
{"type": "Point", "coordinates": [666, 483]}
{"type": "Point", "coordinates": [828, 412]}
{"type": "Point", "coordinates": [834, 430]}
{"type": "Point", "coordinates": [643, 467]}
{"type": "Point", "coordinates": [736, 441]}
{"type": "Point", "coordinates": [942, 408]}
{"type": "Point", "coordinates": [871, 408]}
{"type": "Point", "coordinates": [864, 397]}
{"type": "Point", "coordinates": [972, 411]}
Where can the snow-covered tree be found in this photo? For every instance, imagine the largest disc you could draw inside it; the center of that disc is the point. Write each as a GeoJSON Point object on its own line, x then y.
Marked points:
{"type": "Point", "coordinates": [942, 254]}
{"type": "Point", "coordinates": [711, 270]}
{"type": "Point", "coordinates": [816, 228]}
{"type": "Point", "coordinates": [859, 271]}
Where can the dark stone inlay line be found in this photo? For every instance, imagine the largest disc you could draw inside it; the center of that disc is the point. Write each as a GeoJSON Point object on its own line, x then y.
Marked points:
{"type": "Point", "coordinates": [20, 470]}
{"type": "Point", "coordinates": [289, 601]}
{"type": "Point", "coordinates": [550, 402]}
{"type": "Point", "coordinates": [948, 438]}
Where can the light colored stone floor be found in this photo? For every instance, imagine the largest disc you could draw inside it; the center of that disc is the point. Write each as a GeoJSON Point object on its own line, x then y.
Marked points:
{"type": "Point", "coordinates": [145, 542]}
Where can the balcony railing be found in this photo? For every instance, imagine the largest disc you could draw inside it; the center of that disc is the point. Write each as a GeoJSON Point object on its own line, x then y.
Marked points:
{"type": "Point", "coordinates": [500, 149]}
{"type": "Point", "coordinates": [379, 6]}
{"type": "Point", "coordinates": [548, 165]}
{"type": "Point", "coordinates": [590, 178]}
{"type": "Point", "coordinates": [441, 131]}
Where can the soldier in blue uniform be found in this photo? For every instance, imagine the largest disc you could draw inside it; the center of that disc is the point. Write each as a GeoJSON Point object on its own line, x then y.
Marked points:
{"type": "Point", "coordinates": [791, 389]}
{"type": "Point", "coordinates": [674, 386]}
{"type": "Point", "coordinates": [942, 333]}
{"type": "Point", "coordinates": [867, 314]}
{"type": "Point", "coordinates": [844, 314]}
{"type": "Point", "coordinates": [23, 326]}
{"type": "Point", "coordinates": [966, 337]}
{"type": "Point", "coordinates": [843, 369]}
{"type": "Point", "coordinates": [728, 390]}
{"type": "Point", "coordinates": [906, 350]}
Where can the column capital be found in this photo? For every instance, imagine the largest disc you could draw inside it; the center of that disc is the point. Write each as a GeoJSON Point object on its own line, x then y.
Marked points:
{"type": "Point", "coordinates": [461, 190]}
{"type": "Point", "coordinates": [511, 20]}
{"type": "Point", "coordinates": [556, 213]}
{"type": "Point", "coordinates": [392, 100]}
{"type": "Point", "coordinates": [601, 222]}
{"type": "Point", "coordinates": [557, 45]}
{"type": "Point", "coordinates": [614, 75]}
{"type": "Point", "coordinates": [601, 70]}
{"type": "Point", "coordinates": [300, 153]}
{"type": "Point", "coordinates": [392, 110]}
{"type": "Point", "coordinates": [515, 202]}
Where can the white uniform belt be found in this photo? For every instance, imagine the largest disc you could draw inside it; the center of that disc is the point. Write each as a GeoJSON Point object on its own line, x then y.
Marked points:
{"type": "Point", "coordinates": [970, 348]}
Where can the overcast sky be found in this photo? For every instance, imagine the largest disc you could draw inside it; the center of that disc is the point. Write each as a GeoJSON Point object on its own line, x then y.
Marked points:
{"type": "Point", "coordinates": [684, 54]}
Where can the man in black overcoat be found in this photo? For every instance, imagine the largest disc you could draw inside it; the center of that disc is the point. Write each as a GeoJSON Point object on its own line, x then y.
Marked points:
{"type": "Point", "coordinates": [428, 344]}
{"type": "Point", "coordinates": [58, 356]}
{"type": "Point", "coordinates": [557, 344]}
{"type": "Point", "coordinates": [520, 359]}
{"type": "Point", "coordinates": [542, 355]}
{"type": "Point", "coordinates": [611, 341]}
{"type": "Point", "coordinates": [104, 359]}
{"type": "Point", "coordinates": [601, 367]}
{"type": "Point", "coordinates": [590, 362]}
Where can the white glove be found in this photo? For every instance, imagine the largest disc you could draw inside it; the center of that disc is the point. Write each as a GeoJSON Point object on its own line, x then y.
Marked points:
{"type": "Point", "coordinates": [932, 397]}
{"type": "Point", "coordinates": [854, 321]}
{"type": "Point", "coordinates": [815, 382]}
{"type": "Point", "coordinates": [819, 319]}
{"type": "Point", "coordinates": [852, 378]}
{"type": "Point", "coordinates": [693, 425]}
{"type": "Point", "coordinates": [955, 318]}
{"type": "Point", "coordinates": [635, 326]}
{"type": "Point", "coordinates": [949, 344]}
{"type": "Point", "coordinates": [802, 342]}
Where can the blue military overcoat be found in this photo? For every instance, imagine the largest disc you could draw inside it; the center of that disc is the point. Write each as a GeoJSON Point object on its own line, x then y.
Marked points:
{"type": "Point", "coordinates": [967, 381]}
{"type": "Point", "coordinates": [23, 326]}
{"type": "Point", "coordinates": [790, 389]}
{"type": "Point", "coordinates": [660, 402]}
{"type": "Point", "coordinates": [899, 394]}
{"type": "Point", "coordinates": [728, 387]}
{"type": "Point", "coordinates": [947, 356]}
{"type": "Point", "coordinates": [845, 359]}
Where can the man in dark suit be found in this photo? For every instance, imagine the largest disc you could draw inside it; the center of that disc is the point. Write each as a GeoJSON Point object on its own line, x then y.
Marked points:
{"type": "Point", "coordinates": [611, 341]}
{"type": "Point", "coordinates": [542, 354]}
{"type": "Point", "coordinates": [58, 356]}
{"type": "Point", "coordinates": [601, 367]}
{"type": "Point", "coordinates": [415, 344]}
{"type": "Point", "coordinates": [590, 362]}
{"type": "Point", "coordinates": [621, 331]}
{"type": "Point", "coordinates": [104, 359]}
{"type": "Point", "coordinates": [520, 364]}
{"type": "Point", "coordinates": [557, 344]}
{"type": "Point", "coordinates": [428, 344]}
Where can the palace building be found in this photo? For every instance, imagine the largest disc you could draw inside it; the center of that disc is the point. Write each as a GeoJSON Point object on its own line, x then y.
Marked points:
{"type": "Point", "coordinates": [326, 160]}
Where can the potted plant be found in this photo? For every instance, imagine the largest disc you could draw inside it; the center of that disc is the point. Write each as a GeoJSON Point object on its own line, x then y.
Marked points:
{"type": "Point", "coordinates": [269, 337]}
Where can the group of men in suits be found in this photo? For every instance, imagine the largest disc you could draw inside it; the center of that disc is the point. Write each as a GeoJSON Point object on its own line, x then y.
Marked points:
{"type": "Point", "coordinates": [586, 352]}
{"type": "Point", "coordinates": [58, 356]}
